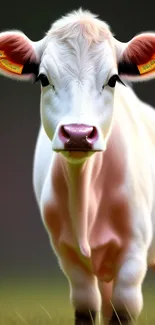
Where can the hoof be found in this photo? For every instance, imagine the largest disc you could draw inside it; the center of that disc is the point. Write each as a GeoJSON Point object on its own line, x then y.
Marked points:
{"type": "Point", "coordinates": [85, 317]}
{"type": "Point", "coordinates": [121, 318]}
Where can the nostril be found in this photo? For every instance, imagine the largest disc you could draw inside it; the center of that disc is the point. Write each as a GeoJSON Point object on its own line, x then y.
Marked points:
{"type": "Point", "coordinates": [93, 134]}
{"type": "Point", "coordinates": [64, 133]}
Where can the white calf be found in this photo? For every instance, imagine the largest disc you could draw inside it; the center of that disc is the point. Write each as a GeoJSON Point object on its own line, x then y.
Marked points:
{"type": "Point", "coordinates": [94, 174]}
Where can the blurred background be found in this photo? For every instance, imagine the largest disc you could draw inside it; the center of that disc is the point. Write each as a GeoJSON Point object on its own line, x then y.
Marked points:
{"type": "Point", "coordinates": [24, 246]}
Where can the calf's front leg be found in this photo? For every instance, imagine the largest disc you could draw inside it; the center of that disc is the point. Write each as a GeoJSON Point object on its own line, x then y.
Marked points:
{"type": "Point", "coordinates": [127, 298]}
{"type": "Point", "coordinates": [84, 293]}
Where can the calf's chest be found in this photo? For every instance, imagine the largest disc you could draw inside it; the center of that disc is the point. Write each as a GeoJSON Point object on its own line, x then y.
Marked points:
{"type": "Point", "coordinates": [108, 226]}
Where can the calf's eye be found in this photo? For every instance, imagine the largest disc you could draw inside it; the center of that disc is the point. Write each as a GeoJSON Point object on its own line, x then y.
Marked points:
{"type": "Point", "coordinates": [43, 79]}
{"type": "Point", "coordinates": [113, 79]}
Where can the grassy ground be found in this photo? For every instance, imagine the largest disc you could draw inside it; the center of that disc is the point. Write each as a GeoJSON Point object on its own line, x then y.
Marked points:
{"type": "Point", "coordinates": [42, 302]}
{"type": "Point", "coordinates": [34, 302]}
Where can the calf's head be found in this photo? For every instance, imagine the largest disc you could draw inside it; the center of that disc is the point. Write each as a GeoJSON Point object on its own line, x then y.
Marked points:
{"type": "Point", "coordinates": [78, 64]}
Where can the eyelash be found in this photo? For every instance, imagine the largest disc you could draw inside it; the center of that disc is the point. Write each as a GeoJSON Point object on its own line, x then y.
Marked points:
{"type": "Point", "coordinates": [112, 81]}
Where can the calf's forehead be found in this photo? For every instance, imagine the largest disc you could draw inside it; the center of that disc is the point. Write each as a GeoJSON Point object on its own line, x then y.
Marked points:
{"type": "Point", "coordinates": [77, 57]}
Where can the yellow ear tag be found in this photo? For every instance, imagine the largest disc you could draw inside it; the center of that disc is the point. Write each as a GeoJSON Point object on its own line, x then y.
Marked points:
{"type": "Point", "coordinates": [146, 67]}
{"type": "Point", "coordinates": [8, 65]}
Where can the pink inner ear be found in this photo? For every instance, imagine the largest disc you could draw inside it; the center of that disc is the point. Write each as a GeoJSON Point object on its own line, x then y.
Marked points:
{"type": "Point", "coordinates": [17, 48]}
{"type": "Point", "coordinates": [140, 50]}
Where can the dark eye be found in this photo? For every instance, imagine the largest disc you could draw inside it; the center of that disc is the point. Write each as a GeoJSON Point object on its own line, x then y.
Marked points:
{"type": "Point", "coordinates": [43, 79]}
{"type": "Point", "coordinates": [113, 79]}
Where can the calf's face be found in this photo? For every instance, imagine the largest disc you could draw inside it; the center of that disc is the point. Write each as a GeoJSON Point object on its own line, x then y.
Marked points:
{"type": "Point", "coordinates": [77, 94]}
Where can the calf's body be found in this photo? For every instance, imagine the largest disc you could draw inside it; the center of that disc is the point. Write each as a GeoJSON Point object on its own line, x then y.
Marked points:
{"type": "Point", "coordinates": [112, 196]}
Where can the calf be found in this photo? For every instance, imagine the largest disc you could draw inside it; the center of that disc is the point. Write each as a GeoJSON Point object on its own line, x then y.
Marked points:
{"type": "Point", "coordinates": [94, 174]}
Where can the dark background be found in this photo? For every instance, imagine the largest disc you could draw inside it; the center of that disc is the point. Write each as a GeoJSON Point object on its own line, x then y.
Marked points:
{"type": "Point", "coordinates": [24, 244]}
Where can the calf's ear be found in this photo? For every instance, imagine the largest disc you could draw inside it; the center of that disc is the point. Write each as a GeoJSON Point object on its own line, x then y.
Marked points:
{"type": "Point", "coordinates": [19, 56]}
{"type": "Point", "coordinates": [136, 59]}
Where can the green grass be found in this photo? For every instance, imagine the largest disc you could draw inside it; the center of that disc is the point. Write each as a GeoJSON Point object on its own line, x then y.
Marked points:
{"type": "Point", "coordinates": [34, 302]}
{"type": "Point", "coordinates": [46, 302]}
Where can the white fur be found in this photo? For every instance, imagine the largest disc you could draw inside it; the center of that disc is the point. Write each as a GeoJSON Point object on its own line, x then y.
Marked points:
{"type": "Point", "coordinates": [84, 291]}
